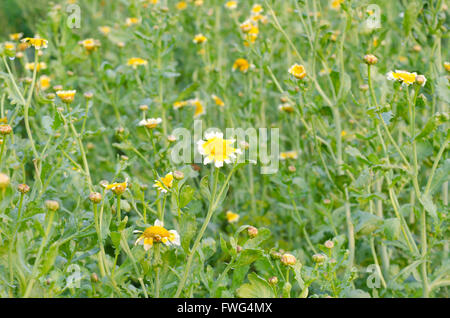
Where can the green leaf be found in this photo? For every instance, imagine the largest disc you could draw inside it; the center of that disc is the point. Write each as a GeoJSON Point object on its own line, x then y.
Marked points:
{"type": "Point", "coordinates": [391, 228]}
{"type": "Point", "coordinates": [50, 257]}
{"type": "Point", "coordinates": [429, 206]}
{"type": "Point", "coordinates": [248, 256]}
{"type": "Point", "coordinates": [186, 195]}
{"type": "Point", "coordinates": [410, 16]}
{"type": "Point", "coordinates": [256, 288]}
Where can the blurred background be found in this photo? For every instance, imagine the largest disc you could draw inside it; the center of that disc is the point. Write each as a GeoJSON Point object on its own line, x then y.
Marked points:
{"type": "Point", "coordinates": [20, 15]}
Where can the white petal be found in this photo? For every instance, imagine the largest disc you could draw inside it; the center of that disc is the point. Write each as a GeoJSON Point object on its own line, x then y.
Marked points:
{"type": "Point", "coordinates": [159, 223]}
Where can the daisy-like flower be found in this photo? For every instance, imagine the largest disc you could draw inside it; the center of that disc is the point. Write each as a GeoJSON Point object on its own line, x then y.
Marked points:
{"type": "Point", "coordinates": [44, 82]}
{"type": "Point", "coordinates": [242, 64]}
{"type": "Point", "coordinates": [199, 39]}
{"type": "Point", "coordinates": [286, 107]}
{"type": "Point", "coordinates": [150, 122]}
{"type": "Point", "coordinates": [132, 21]}
{"type": "Point", "coordinates": [447, 66]}
{"type": "Point", "coordinates": [15, 36]}
{"type": "Point", "coordinates": [38, 43]}
{"type": "Point", "coordinates": [118, 187]}
{"type": "Point", "coordinates": [9, 46]}
{"type": "Point", "coordinates": [218, 100]}
{"type": "Point", "coordinates": [288, 155]}
{"type": "Point", "coordinates": [199, 108]}
{"type": "Point", "coordinates": [181, 5]}
{"type": "Point", "coordinates": [66, 96]}
{"type": "Point", "coordinates": [247, 25]}
{"type": "Point", "coordinates": [252, 35]}
{"type": "Point", "coordinates": [231, 5]}
{"type": "Point", "coordinates": [336, 4]}
{"type": "Point", "coordinates": [216, 149]}
{"type": "Point", "coordinates": [90, 44]}
{"type": "Point", "coordinates": [298, 71]}
{"type": "Point", "coordinates": [257, 9]}
{"type": "Point", "coordinates": [136, 61]}
{"type": "Point", "coordinates": [165, 183]}
{"type": "Point", "coordinates": [105, 30]}
{"type": "Point", "coordinates": [406, 78]}
{"type": "Point", "coordinates": [157, 234]}
{"type": "Point", "coordinates": [39, 66]}
{"type": "Point", "coordinates": [232, 217]}
{"type": "Point", "coordinates": [259, 17]}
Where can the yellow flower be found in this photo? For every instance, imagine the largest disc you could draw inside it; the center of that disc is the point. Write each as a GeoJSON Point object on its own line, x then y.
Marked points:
{"type": "Point", "coordinates": [90, 44]}
{"type": "Point", "coordinates": [257, 9]}
{"type": "Point", "coordinates": [165, 184]}
{"type": "Point", "coordinates": [199, 39]}
{"type": "Point", "coordinates": [298, 71]}
{"type": "Point", "coordinates": [218, 100]}
{"type": "Point", "coordinates": [132, 21]}
{"type": "Point", "coordinates": [136, 61]}
{"type": "Point", "coordinates": [336, 4]}
{"type": "Point", "coordinates": [447, 66]}
{"type": "Point", "coordinates": [118, 187]}
{"type": "Point", "coordinates": [150, 122]}
{"type": "Point", "coordinates": [38, 43]}
{"type": "Point", "coordinates": [252, 35]}
{"type": "Point", "coordinates": [232, 217]}
{"type": "Point", "coordinates": [66, 96]}
{"type": "Point", "coordinates": [157, 234]}
{"type": "Point", "coordinates": [199, 109]}
{"type": "Point", "coordinates": [404, 77]}
{"type": "Point", "coordinates": [259, 17]}
{"type": "Point", "coordinates": [246, 26]}
{"type": "Point", "coordinates": [288, 155]}
{"type": "Point", "coordinates": [9, 46]}
{"type": "Point", "coordinates": [181, 5]}
{"type": "Point", "coordinates": [180, 104]}
{"type": "Point", "coordinates": [216, 149]}
{"type": "Point", "coordinates": [39, 66]}
{"type": "Point", "coordinates": [105, 30]}
{"type": "Point", "coordinates": [44, 82]}
{"type": "Point", "coordinates": [242, 64]}
{"type": "Point", "coordinates": [231, 5]}
{"type": "Point", "coordinates": [15, 36]}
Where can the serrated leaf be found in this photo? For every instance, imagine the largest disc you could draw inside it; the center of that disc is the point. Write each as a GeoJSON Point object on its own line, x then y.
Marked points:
{"type": "Point", "coordinates": [256, 288]}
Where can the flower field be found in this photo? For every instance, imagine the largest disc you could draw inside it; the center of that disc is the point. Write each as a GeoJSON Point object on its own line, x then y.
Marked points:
{"type": "Point", "coordinates": [221, 149]}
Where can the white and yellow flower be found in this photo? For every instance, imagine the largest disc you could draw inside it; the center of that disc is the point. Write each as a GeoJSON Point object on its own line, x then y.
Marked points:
{"type": "Point", "coordinates": [66, 96]}
{"type": "Point", "coordinates": [231, 5]}
{"type": "Point", "coordinates": [38, 43]}
{"type": "Point", "coordinates": [136, 61]}
{"type": "Point", "coordinates": [406, 78]}
{"type": "Point", "coordinates": [165, 183]}
{"type": "Point", "coordinates": [216, 149]}
{"type": "Point", "coordinates": [199, 39]}
{"type": "Point", "coordinates": [150, 122]}
{"type": "Point", "coordinates": [232, 217]}
{"type": "Point", "coordinates": [298, 71]}
{"type": "Point", "coordinates": [158, 234]}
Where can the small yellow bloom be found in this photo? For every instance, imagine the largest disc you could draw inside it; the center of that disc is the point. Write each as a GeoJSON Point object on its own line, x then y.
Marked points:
{"type": "Point", "coordinates": [336, 4]}
{"type": "Point", "coordinates": [15, 36]}
{"type": "Point", "coordinates": [288, 155]}
{"type": "Point", "coordinates": [157, 234]}
{"type": "Point", "coordinates": [198, 3]}
{"type": "Point", "coordinates": [38, 43]}
{"type": "Point", "coordinates": [231, 5]}
{"type": "Point", "coordinates": [150, 123]}
{"type": "Point", "coordinates": [218, 100]}
{"type": "Point", "coordinates": [232, 217]}
{"type": "Point", "coordinates": [286, 107]}
{"type": "Point", "coordinates": [247, 25]}
{"type": "Point", "coordinates": [298, 71]}
{"type": "Point", "coordinates": [9, 46]}
{"type": "Point", "coordinates": [447, 66]}
{"type": "Point", "coordinates": [165, 184]}
{"type": "Point", "coordinates": [180, 104]}
{"type": "Point", "coordinates": [181, 5]}
{"type": "Point", "coordinates": [132, 21]}
{"type": "Point", "coordinates": [105, 30]}
{"type": "Point", "coordinates": [118, 187]}
{"type": "Point", "coordinates": [199, 108]}
{"type": "Point", "coordinates": [66, 96]}
{"type": "Point", "coordinates": [216, 149]}
{"type": "Point", "coordinates": [44, 82]}
{"type": "Point", "coordinates": [406, 78]}
{"type": "Point", "coordinates": [39, 66]}
{"type": "Point", "coordinates": [199, 39]}
{"type": "Point", "coordinates": [136, 61]}
{"type": "Point", "coordinates": [241, 64]}
{"type": "Point", "coordinates": [257, 9]}
{"type": "Point", "coordinates": [90, 44]}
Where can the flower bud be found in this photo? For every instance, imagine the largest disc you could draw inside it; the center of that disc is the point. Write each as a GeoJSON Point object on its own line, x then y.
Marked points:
{"type": "Point", "coordinates": [178, 175]}
{"type": "Point", "coordinates": [370, 59]}
{"type": "Point", "coordinates": [4, 181]}
{"type": "Point", "coordinates": [421, 80]}
{"type": "Point", "coordinates": [88, 95]}
{"type": "Point", "coordinates": [5, 129]}
{"type": "Point", "coordinates": [171, 138]}
{"type": "Point", "coordinates": [95, 197]}
{"type": "Point", "coordinates": [273, 280]}
{"type": "Point", "coordinates": [275, 255]}
{"type": "Point", "coordinates": [329, 244]}
{"type": "Point", "coordinates": [23, 188]}
{"type": "Point", "coordinates": [238, 248]}
{"type": "Point", "coordinates": [318, 258]}
{"type": "Point", "coordinates": [94, 278]}
{"type": "Point", "coordinates": [292, 168]}
{"type": "Point", "coordinates": [288, 259]}
{"type": "Point", "coordinates": [143, 108]}
{"type": "Point", "coordinates": [252, 231]}
{"type": "Point", "coordinates": [52, 205]}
